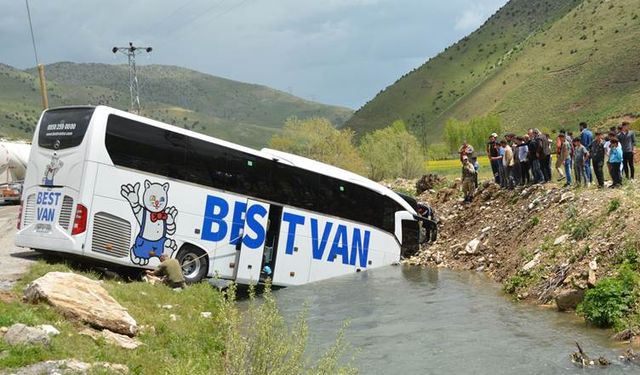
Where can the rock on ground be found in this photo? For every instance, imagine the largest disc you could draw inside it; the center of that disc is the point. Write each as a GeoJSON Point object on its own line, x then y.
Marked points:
{"type": "Point", "coordinates": [569, 300]}
{"type": "Point", "coordinates": [21, 334]}
{"type": "Point", "coordinates": [117, 339]}
{"type": "Point", "coordinates": [473, 246]}
{"type": "Point", "coordinates": [81, 298]}
{"type": "Point", "coordinates": [67, 366]}
{"type": "Point", "coordinates": [560, 240]}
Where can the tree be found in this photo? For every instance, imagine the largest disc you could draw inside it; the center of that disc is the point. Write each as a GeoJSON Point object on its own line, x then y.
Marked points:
{"type": "Point", "coordinates": [316, 138]}
{"type": "Point", "coordinates": [475, 131]}
{"type": "Point", "coordinates": [392, 152]}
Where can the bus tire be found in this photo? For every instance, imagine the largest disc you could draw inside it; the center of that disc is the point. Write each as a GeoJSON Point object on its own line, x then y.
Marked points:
{"type": "Point", "coordinates": [198, 263]}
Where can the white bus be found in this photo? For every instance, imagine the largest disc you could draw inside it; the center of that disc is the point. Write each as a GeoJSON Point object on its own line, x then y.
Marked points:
{"type": "Point", "coordinates": [120, 188]}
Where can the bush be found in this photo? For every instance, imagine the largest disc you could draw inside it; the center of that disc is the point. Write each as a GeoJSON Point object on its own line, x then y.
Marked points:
{"type": "Point", "coordinates": [317, 139]}
{"type": "Point", "coordinates": [612, 299]}
{"type": "Point", "coordinates": [259, 341]}
{"type": "Point", "coordinates": [392, 152]}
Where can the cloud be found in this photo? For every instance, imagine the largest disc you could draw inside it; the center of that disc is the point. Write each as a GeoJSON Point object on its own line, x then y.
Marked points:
{"type": "Point", "coordinates": [334, 51]}
{"type": "Point", "coordinates": [472, 18]}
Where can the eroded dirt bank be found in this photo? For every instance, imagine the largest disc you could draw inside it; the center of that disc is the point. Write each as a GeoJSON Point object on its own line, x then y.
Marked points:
{"type": "Point", "coordinates": [545, 244]}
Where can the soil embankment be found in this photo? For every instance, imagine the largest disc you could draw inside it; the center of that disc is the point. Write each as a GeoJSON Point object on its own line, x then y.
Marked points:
{"type": "Point", "coordinates": [543, 242]}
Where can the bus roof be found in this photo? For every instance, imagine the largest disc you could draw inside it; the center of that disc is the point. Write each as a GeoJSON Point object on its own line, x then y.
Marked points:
{"type": "Point", "coordinates": [339, 173]}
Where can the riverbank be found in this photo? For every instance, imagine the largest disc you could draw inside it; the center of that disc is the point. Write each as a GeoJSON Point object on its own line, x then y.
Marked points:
{"type": "Point", "coordinates": [198, 330]}
{"type": "Point", "coordinates": [545, 244]}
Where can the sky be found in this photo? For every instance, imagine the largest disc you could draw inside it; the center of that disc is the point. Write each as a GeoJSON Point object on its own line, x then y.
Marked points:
{"type": "Point", "coordinates": [340, 52]}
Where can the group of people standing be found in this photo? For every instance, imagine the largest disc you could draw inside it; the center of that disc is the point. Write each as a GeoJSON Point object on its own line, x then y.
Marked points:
{"type": "Point", "coordinates": [523, 160]}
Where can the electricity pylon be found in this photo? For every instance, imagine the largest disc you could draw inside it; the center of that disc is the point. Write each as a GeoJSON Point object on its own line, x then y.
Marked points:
{"type": "Point", "coordinates": [133, 75]}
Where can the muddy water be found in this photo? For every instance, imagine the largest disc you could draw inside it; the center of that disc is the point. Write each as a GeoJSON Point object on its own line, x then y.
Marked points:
{"type": "Point", "coordinates": [427, 321]}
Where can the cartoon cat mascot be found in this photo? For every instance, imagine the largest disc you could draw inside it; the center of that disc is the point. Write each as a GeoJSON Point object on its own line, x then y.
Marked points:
{"type": "Point", "coordinates": [51, 169]}
{"type": "Point", "coordinates": [155, 219]}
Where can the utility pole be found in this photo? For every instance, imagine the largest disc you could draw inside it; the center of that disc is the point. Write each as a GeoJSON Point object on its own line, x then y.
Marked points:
{"type": "Point", "coordinates": [43, 82]}
{"type": "Point", "coordinates": [133, 75]}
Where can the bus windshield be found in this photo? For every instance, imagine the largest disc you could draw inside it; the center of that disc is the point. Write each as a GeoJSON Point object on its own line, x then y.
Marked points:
{"type": "Point", "coordinates": [64, 128]}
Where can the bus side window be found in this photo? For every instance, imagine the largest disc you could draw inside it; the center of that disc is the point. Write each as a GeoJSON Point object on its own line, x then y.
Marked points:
{"type": "Point", "coordinates": [148, 148]}
{"type": "Point", "coordinates": [206, 164]}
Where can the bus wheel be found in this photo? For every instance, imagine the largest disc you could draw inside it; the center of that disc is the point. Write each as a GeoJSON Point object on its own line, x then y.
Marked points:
{"type": "Point", "coordinates": [194, 263]}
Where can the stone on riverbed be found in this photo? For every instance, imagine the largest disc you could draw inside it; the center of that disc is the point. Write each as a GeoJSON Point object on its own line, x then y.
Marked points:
{"type": "Point", "coordinates": [569, 300]}
{"type": "Point", "coordinates": [81, 298]}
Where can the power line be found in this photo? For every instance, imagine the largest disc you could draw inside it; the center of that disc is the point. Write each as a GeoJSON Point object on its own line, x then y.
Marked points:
{"type": "Point", "coordinates": [214, 16]}
{"type": "Point", "coordinates": [43, 82]}
{"type": "Point", "coordinates": [171, 14]}
{"type": "Point", "coordinates": [33, 39]}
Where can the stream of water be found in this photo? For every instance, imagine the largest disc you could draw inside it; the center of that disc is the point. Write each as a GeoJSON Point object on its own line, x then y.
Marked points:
{"type": "Point", "coordinates": [410, 320]}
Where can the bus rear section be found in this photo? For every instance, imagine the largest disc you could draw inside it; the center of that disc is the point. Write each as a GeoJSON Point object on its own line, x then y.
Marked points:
{"type": "Point", "coordinates": [52, 216]}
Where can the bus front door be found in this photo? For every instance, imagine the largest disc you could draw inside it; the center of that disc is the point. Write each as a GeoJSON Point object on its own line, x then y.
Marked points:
{"type": "Point", "coordinates": [271, 243]}
{"type": "Point", "coordinates": [253, 241]}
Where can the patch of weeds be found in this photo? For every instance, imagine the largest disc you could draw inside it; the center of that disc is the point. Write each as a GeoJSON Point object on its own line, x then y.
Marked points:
{"type": "Point", "coordinates": [535, 220]}
{"type": "Point", "coordinates": [614, 204]}
{"type": "Point", "coordinates": [514, 199]}
{"type": "Point", "coordinates": [612, 299]}
{"type": "Point", "coordinates": [581, 229]}
{"type": "Point", "coordinates": [525, 255]}
{"type": "Point", "coordinates": [513, 284]}
{"type": "Point", "coordinates": [522, 280]}
{"type": "Point", "coordinates": [572, 212]}
{"type": "Point", "coordinates": [629, 254]}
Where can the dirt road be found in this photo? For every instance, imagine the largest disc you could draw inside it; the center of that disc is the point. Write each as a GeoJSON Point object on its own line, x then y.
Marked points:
{"type": "Point", "coordinates": [14, 261]}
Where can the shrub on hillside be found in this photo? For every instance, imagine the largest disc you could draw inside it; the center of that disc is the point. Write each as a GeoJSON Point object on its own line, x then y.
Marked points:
{"type": "Point", "coordinates": [392, 152]}
{"type": "Point", "coordinates": [316, 138]}
{"type": "Point", "coordinates": [612, 299]}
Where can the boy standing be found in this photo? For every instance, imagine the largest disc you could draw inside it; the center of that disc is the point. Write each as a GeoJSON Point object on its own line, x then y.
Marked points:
{"type": "Point", "coordinates": [580, 158]}
{"type": "Point", "coordinates": [565, 158]}
{"type": "Point", "coordinates": [615, 159]}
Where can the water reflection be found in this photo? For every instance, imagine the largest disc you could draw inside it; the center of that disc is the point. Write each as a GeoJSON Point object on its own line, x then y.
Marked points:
{"type": "Point", "coordinates": [409, 320]}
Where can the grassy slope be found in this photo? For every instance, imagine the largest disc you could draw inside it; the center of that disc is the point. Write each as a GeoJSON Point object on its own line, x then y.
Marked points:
{"type": "Point", "coordinates": [536, 63]}
{"type": "Point", "coordinates": [240, 112]}
{"type": "Point", "coordinates": [576, 70]}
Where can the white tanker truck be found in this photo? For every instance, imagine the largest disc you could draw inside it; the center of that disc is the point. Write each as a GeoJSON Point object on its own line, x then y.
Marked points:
{"type": "Point", "coordinates": [14, 157]}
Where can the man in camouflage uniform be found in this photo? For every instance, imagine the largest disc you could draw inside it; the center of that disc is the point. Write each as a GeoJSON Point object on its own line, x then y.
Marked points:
{"type": "Point", "coordinates": [468, 179]}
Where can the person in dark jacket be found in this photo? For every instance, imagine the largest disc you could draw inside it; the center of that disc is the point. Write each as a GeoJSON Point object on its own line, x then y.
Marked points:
{"type": "Point", "coordinates": [627, 140]}
{"type": "Point", "coordinates": [596, 150]}
{"type": "Point", "coordinates": [535, 155]}
{"type": "Point", "coordinates": [492, 153]}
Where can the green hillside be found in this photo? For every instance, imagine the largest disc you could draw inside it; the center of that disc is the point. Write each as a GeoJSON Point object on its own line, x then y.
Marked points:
{"type": "Point", "coordinates": [536, 63]}
{"type": "Point", "coordinates": [240, 112]}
